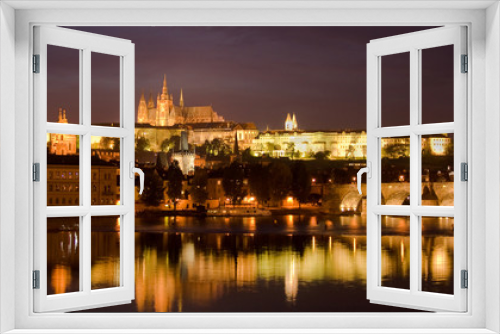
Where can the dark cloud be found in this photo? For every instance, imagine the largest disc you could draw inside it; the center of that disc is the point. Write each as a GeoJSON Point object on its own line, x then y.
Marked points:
{"type": "Point", "coordinates": [251, 73]}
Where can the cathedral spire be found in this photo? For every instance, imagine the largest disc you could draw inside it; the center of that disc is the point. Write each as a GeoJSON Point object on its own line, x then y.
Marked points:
{"type": "Point", "coordinates": [151, 102]}
{"type": "Point", "coordinates": [288, 122]}
{"type": "Point", "coordinates": [294, 122]}
{"type": "Point", "coordinates": [181, 101]}
{"type": "Point", "coordinates": [164, 94]}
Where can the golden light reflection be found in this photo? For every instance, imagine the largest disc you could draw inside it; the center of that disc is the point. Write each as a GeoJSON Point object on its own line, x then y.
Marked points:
{"type": "Point", "coordinates": [291, 282]}
{"type": "Point", "coordinates": [176, 271]}
{"type": "Point", "coordinates": [60, 278]}
{"type": "Point", "coordinates": [402, 251]}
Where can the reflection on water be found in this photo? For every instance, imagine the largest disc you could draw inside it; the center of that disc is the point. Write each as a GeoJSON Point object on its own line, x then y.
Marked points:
{"type": "Point", "coordinates": [263, 264]}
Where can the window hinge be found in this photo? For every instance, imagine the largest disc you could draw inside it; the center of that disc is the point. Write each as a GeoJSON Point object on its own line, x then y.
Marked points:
{"type": "Point", "coordinates": [36, 63]}
{"type": "Point", "coordinates": [464, 279]}
{"type": "Point", "coordinates": [464, 172]}
{"type": "Point", "coordinates": [36, 279]}
{"type": "Point", "coordinates": [36, 172]}
{"type": "Point", "coordinates": [465, 64]}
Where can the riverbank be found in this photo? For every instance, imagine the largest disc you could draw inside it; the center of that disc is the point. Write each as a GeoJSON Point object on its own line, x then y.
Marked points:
{"type": "Point", "coordinates": [304, 210]}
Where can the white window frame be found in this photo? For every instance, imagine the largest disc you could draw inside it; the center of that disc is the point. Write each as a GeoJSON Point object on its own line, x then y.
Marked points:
{"type": "Point", "coordinates": [414, 44]}
{"type": "Point", "coordinates": [123, 51]}
{"type": "Point", "coordinates": [483, 21]}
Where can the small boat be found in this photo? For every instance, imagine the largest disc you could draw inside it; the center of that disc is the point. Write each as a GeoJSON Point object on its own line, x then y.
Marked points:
{"type": "Point", "coordinates": [238, 212]}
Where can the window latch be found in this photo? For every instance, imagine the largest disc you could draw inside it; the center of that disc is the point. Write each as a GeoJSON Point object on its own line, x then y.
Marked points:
{"type": "Point", "coordinates": [368, 171]}
{"type": "Point", "coordinates": [139, 171]}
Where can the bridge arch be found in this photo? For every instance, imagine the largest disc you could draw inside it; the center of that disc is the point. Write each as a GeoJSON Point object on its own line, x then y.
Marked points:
{"type": "Point", "coordinates": [351, 202]}
{"type": "Point", "coordinates": [399, 198]}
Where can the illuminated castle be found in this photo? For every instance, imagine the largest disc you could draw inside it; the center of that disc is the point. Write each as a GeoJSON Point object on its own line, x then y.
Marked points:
{"type": "Point", "coordinates": [61, 144]}
{"type": "Point", "coordinates": [166, 113]}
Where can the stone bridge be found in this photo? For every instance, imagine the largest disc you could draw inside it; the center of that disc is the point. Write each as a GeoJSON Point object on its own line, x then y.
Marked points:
{"type": "Point", "coordinates": [345, 197]}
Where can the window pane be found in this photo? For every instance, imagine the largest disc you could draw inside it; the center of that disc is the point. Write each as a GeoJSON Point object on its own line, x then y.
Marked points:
{"type": "Point", "coordinates": [395, 255]}
{"type": "Point", "coordinates": [395, 171]}
{"type": "Point", "coordinates": [105, 252]}
{"type": "Point", "coordinates": [437, 84]}
{"type": "Point", "coordinates": [63, 255]}
{"type": "Point", "coordinates": [105, 187]}
{"type": "Point", "coordinates": [395, 95]}
{"type": "Point", "coordinates": [105, 89]}
{"type": "Point", "coordinates": [63, 169]}
{"type": "Point", "coordinates": [437, 170]}
{"type": "Point", "coordinates": [437, 254]}
{"type": "Point", "coordinates": [63, 85]}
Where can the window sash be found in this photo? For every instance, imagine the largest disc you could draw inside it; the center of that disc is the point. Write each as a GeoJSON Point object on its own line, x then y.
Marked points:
{"type": "Point", "coordinates": [414, 43]}
{"type": "Point", "coordinates": [86, 44]}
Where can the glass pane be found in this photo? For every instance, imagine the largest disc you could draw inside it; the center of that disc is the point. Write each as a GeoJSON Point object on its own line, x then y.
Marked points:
{"type": "Point", "coordinates": [395, 255]}
{"type": "Point", "coordinates": [63, 169]}
{"type": "Point", "coordinates": [395, 171]}
{"type": "Point", "coordinates": [105, 252]}
{"type": "Point", "coordinates": [63, 85]}
{"type": "Point", "coordinates": [105, 170]}
{"type": "Point", "coordinates": [105, 89]}
{"type": "Point", "coordinates": [437, 84]}
{"type": "Point", "coordinates": [395, 95]}
{"type": "Point", "coordinates": [63, 255]}
{"type": "Point", "coordinates": [437, 254]}
{"type": "Point", "coordinates": [437, 170]}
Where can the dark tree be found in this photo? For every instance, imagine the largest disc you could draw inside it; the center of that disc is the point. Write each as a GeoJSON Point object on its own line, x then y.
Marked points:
{"type": "Point", "coordinates": [321, 155]}
{"type": "Point", "coordinates": [142, 144]}
{"type": "Point", "coordinates": [232, 181]}
{"type": "Point", "coordinates": [259, 182]}
{"type": "Point", "coordinates": [280, 180]}
{"type": "Point", "coordinates": [246, 156]}
{"type": "Point", "coordinates": [301, 182]}
{"type": "Point", "coordinates": [199, 186]}
{"type": "Point", "coordinates": [105, 143]}
{"type": "Point", "coordinates": [153, 188]}
{"type": "Point", "coordinates": [116, 144]}
{"type": "Point", "coordinates": [172, 143]}
{"type": "Point", "coordinates": [174, 178]}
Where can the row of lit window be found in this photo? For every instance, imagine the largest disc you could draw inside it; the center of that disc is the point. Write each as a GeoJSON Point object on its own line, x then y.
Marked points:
{"type": "Point", "coordinates": [76, 201]}
{"type": "Point", "coordinates": [64, 201]}
{"type": "Point", "coordinates": [62, 175]}
{"type": "Point", "coordinates": [56, 187]}
{"type": "Point", "coordinates": [107, 176]}
{"type": "Point", "coordinates": [63, 187]}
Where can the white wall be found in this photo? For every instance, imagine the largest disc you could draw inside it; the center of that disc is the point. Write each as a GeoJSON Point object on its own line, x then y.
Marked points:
{"type": "Point", "coordinates": [491, 165]}
{"type": "Point", "coordinates": [7, 157]}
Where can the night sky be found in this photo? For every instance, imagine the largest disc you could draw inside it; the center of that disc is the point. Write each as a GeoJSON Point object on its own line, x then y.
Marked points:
{"type": "Point", "coordinates": [258, 74]}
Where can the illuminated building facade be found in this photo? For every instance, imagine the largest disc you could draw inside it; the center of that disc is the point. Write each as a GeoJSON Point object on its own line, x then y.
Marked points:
{"type": "Point", "coordinates": [166, 113]}
{"type": "Point", "coordinates": [338, 144]}
{"type": "Point", "coordinates": [63, 185]}
{"type": "Point", "coordinates": [62, 144]}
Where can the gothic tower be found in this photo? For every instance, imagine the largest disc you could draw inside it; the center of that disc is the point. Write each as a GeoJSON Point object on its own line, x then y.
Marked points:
{"type": "Point", "coordinates": [181, 100]}
{"type": "Point", "coordinates": [294, 122]}
{"type": "Point", "coordinates": [142, 111]}
{"type": "Point", "coordinates": [163, 106]}
{"type": "Point", "coordinates": [288, 123]}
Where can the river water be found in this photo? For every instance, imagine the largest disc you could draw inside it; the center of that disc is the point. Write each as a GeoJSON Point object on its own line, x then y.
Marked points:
{"type": "Point", "coordinates": [287, 263]}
